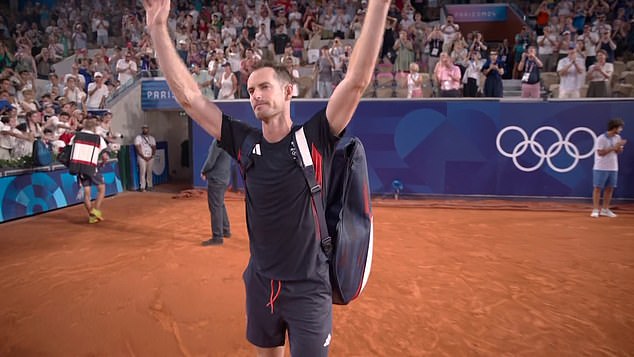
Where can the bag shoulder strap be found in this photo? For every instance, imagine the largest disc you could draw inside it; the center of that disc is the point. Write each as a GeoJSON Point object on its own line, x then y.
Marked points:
{"type": "Point", "coordinates": [305, 161]}
{"type": "Point", "coordinates": [246, 150]}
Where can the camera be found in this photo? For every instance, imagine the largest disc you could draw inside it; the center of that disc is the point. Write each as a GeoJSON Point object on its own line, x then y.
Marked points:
{"type": "Point", "coordinates": [116, 135]}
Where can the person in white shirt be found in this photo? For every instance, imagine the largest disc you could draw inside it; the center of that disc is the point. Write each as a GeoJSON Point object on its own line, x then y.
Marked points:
{"type": "Point", "coordinates": [97, 93]}
{"type": "Point", "coordinates": [450, 31]}
{"type": "Point", "coordinates": [600, 74]}
{"type": "Point", "coordinates": [590, 42]}
{"type": "Point", "coordinates": [606, 167]}
{"type": "Point", "coordinates": [8, 136]}
{"type": "Point", "coordinates": [204, 80]}
{"type": "Point", "coordinates": [145, 145]}
{"type": "Point", "coordinates": [73, 93]}
{"type": "Point", "coordinates": [546, 45]}
{"type": "Point", "coordinates": [572, 71]}
{"type": "Point", "coordinates": [126, 68]}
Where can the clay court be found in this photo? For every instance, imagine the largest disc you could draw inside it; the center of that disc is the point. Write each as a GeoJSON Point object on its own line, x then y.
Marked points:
{"type": "Point", "coordinates": [449, 278]}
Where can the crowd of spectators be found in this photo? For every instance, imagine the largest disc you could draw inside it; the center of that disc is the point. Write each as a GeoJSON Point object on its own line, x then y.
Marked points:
{"type": "Point", "coordinates": [222, 41]}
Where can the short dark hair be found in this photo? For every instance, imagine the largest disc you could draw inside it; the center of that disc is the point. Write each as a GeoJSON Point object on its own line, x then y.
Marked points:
{"type": "Point", "coordinates": [615, 123]}
{"type": "Point", "coordinates": [281, 72]}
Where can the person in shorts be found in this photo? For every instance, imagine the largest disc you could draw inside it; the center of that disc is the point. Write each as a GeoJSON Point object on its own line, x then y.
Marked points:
{"type": "Point", "coordinates": [87, 181]}
{"type": "Point", "coordinates": [287, 282]}
{"type": "Point", "coordinates": [606, 168]}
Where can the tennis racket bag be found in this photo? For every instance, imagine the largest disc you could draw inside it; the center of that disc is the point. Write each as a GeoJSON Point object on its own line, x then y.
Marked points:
{"type": "Point", "coordinates": [84, 155]}
{"type": "Point", "coordinates": [345, 220]}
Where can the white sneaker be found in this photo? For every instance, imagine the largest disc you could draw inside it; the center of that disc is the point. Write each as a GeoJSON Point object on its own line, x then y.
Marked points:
{"type": "Point", "coordinates": [607, 213]}
{"type": "Point", "coordinates": [595, 213]}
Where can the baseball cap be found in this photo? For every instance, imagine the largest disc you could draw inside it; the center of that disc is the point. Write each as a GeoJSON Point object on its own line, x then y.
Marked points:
{"type": "Point", "coordinates": [145, 126]}
{"type": "Point", "coordinates": [98, 74]}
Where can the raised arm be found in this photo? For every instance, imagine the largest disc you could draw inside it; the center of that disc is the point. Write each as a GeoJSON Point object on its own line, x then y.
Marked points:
{"type": "Point", "coordinates": [180, 81]}
{"type": "Point", "coordinates": [347, 94]}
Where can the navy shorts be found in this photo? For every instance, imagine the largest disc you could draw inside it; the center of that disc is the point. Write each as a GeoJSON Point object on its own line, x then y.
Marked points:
{"type": "Point", "coordinates": [303, 308]}
{"type": "Point", "coordinates": [87, 180]}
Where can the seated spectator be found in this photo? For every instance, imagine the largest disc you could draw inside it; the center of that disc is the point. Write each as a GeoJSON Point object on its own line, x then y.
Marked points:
{"type": "Point", "coordinates": [28, 102]}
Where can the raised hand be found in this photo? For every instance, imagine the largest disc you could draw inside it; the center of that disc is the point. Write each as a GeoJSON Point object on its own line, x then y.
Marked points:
{"type": "Point", "coordinates": [156, 12]}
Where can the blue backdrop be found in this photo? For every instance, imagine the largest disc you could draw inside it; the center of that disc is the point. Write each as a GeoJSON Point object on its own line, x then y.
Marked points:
{"type": "Point", "coordinates": [472, 147]}
{"type": "Point", "coordinates": [35, 192]}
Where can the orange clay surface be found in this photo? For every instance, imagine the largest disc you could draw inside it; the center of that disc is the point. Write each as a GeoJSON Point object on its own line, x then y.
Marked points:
{"type": "Point", "coordinates": [450, 278]}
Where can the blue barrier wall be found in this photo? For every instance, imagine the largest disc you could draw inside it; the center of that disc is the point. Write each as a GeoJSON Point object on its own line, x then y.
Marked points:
{"type": "Point", "coordinates": [40, 191]}
{"type": "Point", "coordinates": [472, 147]}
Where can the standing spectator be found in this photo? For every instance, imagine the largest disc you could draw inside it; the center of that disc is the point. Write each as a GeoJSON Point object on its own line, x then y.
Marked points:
{"type": "Point", "coordinates": [472, 74]}
{"type": "Point", "coordinates": [404, 49]}
{"type": "Point", "coordinates": [126, 68]}
{"type": "Point", "coordinates": [145, 145]}
{"type": "Point", "coordinates": [97, 93]}
{"type": "Point", "coordinates": [79, 38]}
{"type": "Point", "coordinates": [450, 31]}
{"type": "Point", "coordinates": [505, 56]}
{"type": "Point", "coordinates": [280, 40]}
{"type": "Point", "coordinates": [228, 83]}
{"type": "Point", "coordinates": [216, 171]}
{"type": "Point", "coordinates": [546, 46]}
{"type": "Point", "coordinates": [600, 75]}
{"type": "Point", "coordinates": [204, 80]}
{"type": "Point", "coordinates": [389, 38]}
{"type": "Point", "coordinates": [607, 44]}
{"type": "Point", "coordinates": [606, 167]}
{"type": "Point", "coordinates": [529, 66]}
{"type": "Point", "coordinates": [44, 62]}
{"type": "Point", "coordinates": [590, 42]}
{"type": "Point", "coordinates": [478, 44]}
{"type": "Point", "coordinates": [101, 27]}
{"type": "Point", "coordinates": [323, 70]}
{"type": "Point", "coordinates": [571, 72]}
{"type": "Point", "coordinates": [414, 82]}
{"type": "Point", "coordinates": [493, 70]}
{"type": "Point", "coordinates": [289, 63]}
{"type": "Point", "coordinates": [341, 23]}
{"type": "Point", "coordinates": [435, 41]}
{"type": "Point", "coordinates": [447, 76]}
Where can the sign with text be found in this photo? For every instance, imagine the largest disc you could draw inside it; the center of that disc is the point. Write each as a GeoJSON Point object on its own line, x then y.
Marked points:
{"type": "Point", "coordinates": [478, 12]}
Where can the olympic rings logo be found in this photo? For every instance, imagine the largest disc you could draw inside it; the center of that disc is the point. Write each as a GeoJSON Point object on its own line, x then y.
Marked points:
{"type": "Point", "coordinates": [546, 154]}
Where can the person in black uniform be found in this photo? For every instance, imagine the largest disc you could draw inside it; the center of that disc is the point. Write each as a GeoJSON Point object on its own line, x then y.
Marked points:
{"type": "Point", "coordinates": [287, 279]}
{"type": "Point", "coordinates": [216, 170]}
